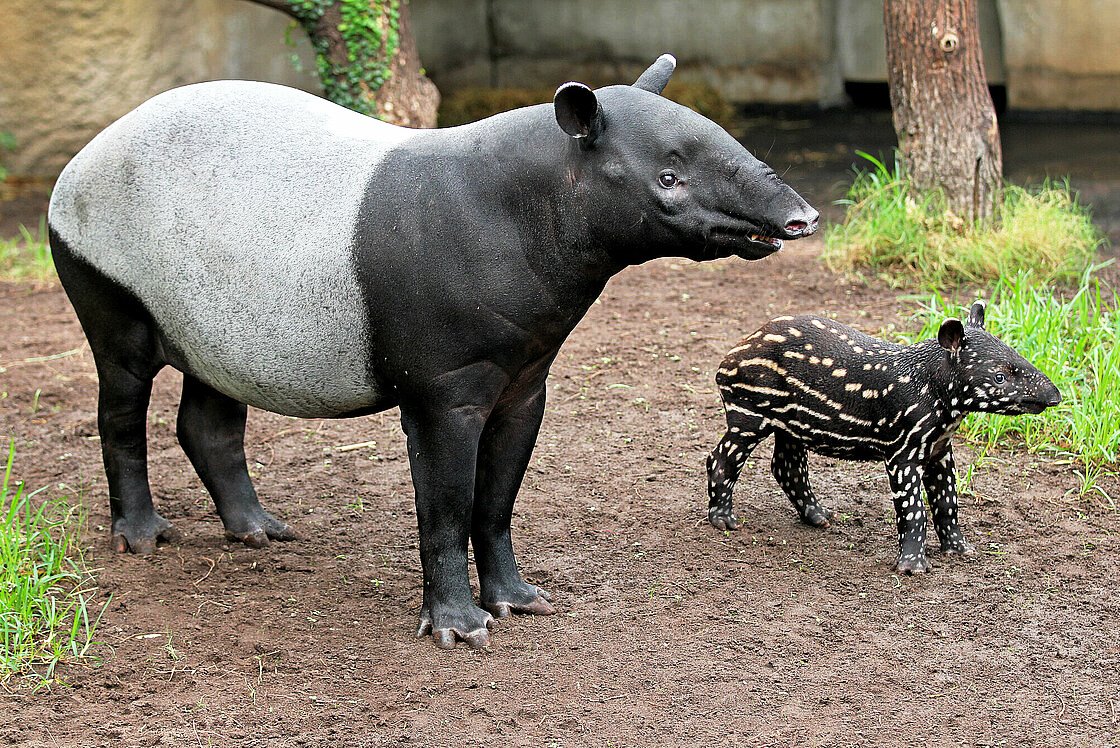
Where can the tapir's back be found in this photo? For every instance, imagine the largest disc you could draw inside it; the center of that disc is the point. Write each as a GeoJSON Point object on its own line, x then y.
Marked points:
{"type": "Point", "coordinates": [228, 209]}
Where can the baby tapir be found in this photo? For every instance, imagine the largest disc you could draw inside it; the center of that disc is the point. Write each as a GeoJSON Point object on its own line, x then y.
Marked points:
{"type": "Point", "coordinates": [286, 253]}
{"type": "Point", "coordinates": [823, 387]}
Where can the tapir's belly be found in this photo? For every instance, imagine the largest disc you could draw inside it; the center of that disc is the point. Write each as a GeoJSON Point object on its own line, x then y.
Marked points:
{"type": "Point", "coordinates": [229, 214]}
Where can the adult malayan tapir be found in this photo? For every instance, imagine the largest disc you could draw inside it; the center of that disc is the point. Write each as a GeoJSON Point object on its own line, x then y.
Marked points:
{"type": "Point", "coordinates": [289, 254]}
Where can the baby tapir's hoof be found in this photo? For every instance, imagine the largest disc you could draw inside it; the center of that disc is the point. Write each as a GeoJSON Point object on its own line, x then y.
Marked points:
{"type": "Point", "coordinates": [960, 547]}
{"type": "Point", "coordinates": [817, 516]}
{"type": "Point", "coordinates": [910, 564]}
{"type": "Point", "coordinates": [722, 519]}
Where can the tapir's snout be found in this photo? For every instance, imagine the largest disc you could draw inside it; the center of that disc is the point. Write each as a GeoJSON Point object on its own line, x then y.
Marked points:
{"type": "Point", "coordinates": [804, 225]}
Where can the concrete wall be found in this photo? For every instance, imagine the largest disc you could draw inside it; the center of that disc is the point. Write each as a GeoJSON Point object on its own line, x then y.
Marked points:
{"type": "Point", "coordinates": [862, 43]}
{"type": "Point", "coordinates": [751, 50]}
{"type": "Point", "coordinates": [70, 67]}
{"type": "Point", "coordinates": [1062, 54]}
{"type": "Point", "coordinates": [1051, 54]}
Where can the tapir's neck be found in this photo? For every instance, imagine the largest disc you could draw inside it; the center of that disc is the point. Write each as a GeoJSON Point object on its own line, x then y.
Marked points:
{"type": "Point", "coordinates": [527, 172]}
{"type": "Point", "coordinates": [491, 214]}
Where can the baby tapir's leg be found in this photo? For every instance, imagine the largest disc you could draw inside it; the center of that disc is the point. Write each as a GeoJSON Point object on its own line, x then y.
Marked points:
{"type": "Point", "coordinates": [941, 490]}
{"type": "Point", "coordinates": [211, 430]}
{"type": "Point", "coordinates": [790, 468]}
{"type": "Point", "coordinates": [910, 516]}
{"type": "Point", "coordinates": [744, 431]}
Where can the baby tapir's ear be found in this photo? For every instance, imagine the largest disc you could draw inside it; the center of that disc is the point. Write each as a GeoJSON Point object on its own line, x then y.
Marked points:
{"type": "Point", "coordinates": [657, 75]}
{"type": "Point", "coordinates": [976, 314]}
{"type": "Point", "coordinates": [951, 334]}
{"type": "Point", "coordinates": [577, 112]}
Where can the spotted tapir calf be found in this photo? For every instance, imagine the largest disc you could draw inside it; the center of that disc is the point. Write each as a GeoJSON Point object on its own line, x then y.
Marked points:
{"type": "Point", "coordinates": [822, 387]}
{"type": "Point", "coordinates": [289, 254]}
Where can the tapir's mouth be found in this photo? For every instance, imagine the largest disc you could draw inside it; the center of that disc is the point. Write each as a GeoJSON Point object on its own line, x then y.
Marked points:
{"type": "Point", "coordinates": [725, 241]}
{"type": "Point", "coordinates": [1032, 407]}
{"type": "Point", "coordinates": [773, 241]}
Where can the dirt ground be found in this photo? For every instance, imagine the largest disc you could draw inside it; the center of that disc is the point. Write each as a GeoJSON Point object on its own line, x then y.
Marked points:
{"type": "Point", "coordinates": [668, 633]}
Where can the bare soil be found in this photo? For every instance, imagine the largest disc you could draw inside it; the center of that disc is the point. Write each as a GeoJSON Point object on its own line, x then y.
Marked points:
{"type": "Point", "coordinates": [668, 633]}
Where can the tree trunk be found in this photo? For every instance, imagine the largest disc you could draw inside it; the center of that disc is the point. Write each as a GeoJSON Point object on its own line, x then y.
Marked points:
{"type": "Point", "coordinates": [366, 57]}
{"type": "Point", "coordinates": [943, 113]}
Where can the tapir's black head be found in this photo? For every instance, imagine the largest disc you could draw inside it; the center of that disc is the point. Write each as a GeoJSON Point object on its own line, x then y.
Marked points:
{"type": "Point", "coordinates": [666, 181]}
{"type": "Point", "coordinates": [989, 376]}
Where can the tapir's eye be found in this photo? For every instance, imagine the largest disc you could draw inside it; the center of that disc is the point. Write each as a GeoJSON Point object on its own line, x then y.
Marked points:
{"type": "Point", "coordinates": [999, 378]}
{"type": "Point", "coordinates": [667, 179]}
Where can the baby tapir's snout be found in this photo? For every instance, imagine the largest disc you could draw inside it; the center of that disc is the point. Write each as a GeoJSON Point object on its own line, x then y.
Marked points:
{"type": "Point", "coordinates": [819, 386]}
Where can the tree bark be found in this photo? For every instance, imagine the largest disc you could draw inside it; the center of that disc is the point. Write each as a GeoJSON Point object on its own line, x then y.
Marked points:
{"type": "Point", "coordinates": [943, 113]}
{"type": "Point", "coordinates": [402, 94]}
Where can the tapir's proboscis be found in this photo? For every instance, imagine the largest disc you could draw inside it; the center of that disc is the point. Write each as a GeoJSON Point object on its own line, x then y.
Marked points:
{"type": "Point", "coordinates": [286, 253]}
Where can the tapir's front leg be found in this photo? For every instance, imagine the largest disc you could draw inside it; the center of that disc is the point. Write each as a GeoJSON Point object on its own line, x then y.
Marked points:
{"type": "Point", "coordinates": [940, 479]}
{"type": "Point", "coordinates": [504, 451]}
{"type": "Point", "coordinates": [442, 451]}
{"type": "Point", "coordinates": [910, 516]}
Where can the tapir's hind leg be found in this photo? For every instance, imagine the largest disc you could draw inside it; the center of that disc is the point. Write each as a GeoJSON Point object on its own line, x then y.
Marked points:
{"type": "Point", "coordinates": [211, 430]}
{"type": "Point", "coordinates": [504, 450]}
{"type": "Point", "coordinates": [790, 467]}
{"type": "Point", "coordinates": [744, 431]}
{"type": "Point", "coordinates": [126, 350]}
{"type": "Point", "coordinates": [122, 412]}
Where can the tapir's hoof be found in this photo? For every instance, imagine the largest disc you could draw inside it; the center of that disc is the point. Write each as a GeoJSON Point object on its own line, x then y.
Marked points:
{"type": "Point", "coordinates": [537, 606]}
{"type": "Point", "coordinates": [143, 537]}
{"type": "Point", "coordinates": [912, 565]}
{"type": "Point", "coordinates": [818, 516]}
{"type": "Point", "coordinates": [258, 529]}
{"type": "Point", "coordinates": [958, 548]}
{"type": "Point", "coordinates": [471, 627]}
{"type": "Point", "coordinates": [724, 520]}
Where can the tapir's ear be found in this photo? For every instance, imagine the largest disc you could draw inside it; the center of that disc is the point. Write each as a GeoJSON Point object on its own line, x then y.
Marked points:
{"type": "Point", "coordinates": [657, 75]}
{"type": "Point", "coordinates": [577, 111]}
{"type": "Point", "coordinates": [976, 314]}
{"type": "Point", "coordinates": [951, 334]}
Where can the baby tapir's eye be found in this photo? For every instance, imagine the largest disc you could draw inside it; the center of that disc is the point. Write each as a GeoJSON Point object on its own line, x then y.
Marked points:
{"type": "Point", "coordinates": [1000, 378]}
{"type": "Point", "coordinates": [667, 179]}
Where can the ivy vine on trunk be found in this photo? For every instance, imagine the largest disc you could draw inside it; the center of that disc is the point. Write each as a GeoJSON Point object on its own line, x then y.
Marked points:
{"type": "Point", "coordinates": [365, 57]}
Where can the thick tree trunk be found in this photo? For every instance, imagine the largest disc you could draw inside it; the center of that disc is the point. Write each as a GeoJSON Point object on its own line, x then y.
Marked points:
{"type": "Point", "coordinates": [372, 66]}
{"type": "Point", "coordinates": [943, 112]}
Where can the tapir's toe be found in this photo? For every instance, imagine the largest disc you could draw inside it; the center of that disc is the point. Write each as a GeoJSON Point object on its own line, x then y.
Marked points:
{"type": "Point", "coordinates": [257, 528]}
{"type": "Point", "coordinates": [470, 625]}
{"type": "Point", "coordinates": [515, 596]}
{"type": "Point", "coordinates": [539, 606]}
{"type": "Point", "coordinates": [143, 537]}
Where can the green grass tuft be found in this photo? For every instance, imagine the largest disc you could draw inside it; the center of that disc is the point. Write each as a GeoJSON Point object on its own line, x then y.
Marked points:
{"type": "Point", "coordinates": [45, 591]}
{"type": "Point", "coordinates": [1073, 340]}
{"type": "Point", "coordinates": [28, 256]}
{"type": "Point", "coordinates": [914, 240]}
